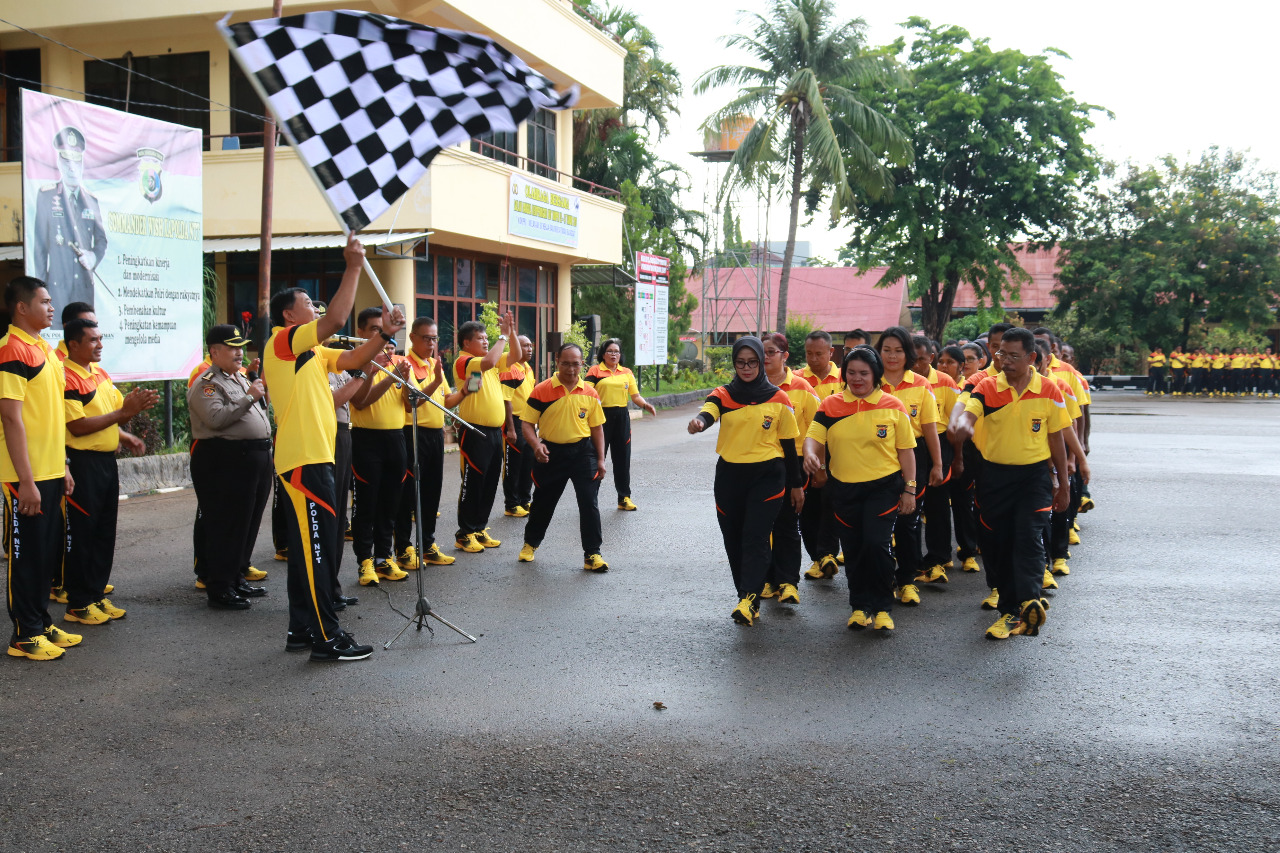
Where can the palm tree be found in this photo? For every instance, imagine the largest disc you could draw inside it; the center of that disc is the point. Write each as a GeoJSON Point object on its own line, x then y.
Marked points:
{"type": "Point", "coordinates": [808, 115]}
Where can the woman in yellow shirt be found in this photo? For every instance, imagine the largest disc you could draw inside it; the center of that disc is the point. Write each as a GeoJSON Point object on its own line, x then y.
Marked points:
{"type": "Point", "coordinates": [616, 385]}
{"type": "Point", "coordinates": [757, 470]}
{"type": "Point", "coordinates": [864, 438]}
{"type": "Point", "coordinates": [784, 572]}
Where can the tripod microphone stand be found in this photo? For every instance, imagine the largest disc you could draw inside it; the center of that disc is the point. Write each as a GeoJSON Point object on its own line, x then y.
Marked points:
{"type": "Point", "coordinates": [423, 608]}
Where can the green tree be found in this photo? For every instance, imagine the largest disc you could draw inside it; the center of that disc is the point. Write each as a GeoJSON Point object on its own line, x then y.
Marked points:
{"type": "Point", "coordinates": [803, 95]}
{"type": "Point", "coordinates": [999, 158]}
{"type": "Point", "coordinates": [1168, 251]}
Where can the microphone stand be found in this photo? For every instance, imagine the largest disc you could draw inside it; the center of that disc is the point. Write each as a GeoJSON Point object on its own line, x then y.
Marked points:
{"type": "Point", "coordinates": [423, 607]}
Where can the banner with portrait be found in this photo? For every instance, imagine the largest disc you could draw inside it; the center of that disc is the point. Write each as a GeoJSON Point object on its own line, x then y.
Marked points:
{"type": "Point", "coordinates": [113, 216]}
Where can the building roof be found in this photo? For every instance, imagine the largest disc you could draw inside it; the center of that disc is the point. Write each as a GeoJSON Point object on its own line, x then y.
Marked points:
{"type": "Point", "coordinates": [1035, 295]}
{"type": "Point", "coordinates": [832, 298]}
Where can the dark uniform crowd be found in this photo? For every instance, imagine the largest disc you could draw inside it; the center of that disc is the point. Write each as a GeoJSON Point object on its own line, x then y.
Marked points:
{"type": "Point", "coordinates": [880, 464]}
{"type": "Point", "coordinates": [1202, 372]}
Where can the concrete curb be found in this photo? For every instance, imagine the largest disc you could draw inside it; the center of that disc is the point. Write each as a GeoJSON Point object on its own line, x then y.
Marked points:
{"type": "Point", "coordinates": [672, 401]}
{"type": "Point", "coordinates": [139, 475]}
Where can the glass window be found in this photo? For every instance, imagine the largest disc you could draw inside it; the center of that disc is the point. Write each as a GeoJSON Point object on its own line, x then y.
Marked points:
{"type": "Point", "coordinates": [424, 272]}
{"type": "Point", "coordinates": [184, 101]}
{"type": "Point", "coordinates": [528, 321]}
{"type": "Point", "coordinates": [541, 143]}
{"type": "Point", "coordinates": [509, 278]}
{"type": "Point", "coordinates": [528, 284]}
{"type": "Point", "coordinates": [544, 286]}
{"type": "Point", "coordinates": [22, 68]}
{"type": "Point", "coordinates": [499, 146]}
{"type": "Point", "coordinates": [425, 308]}
{"type": "Point", "coordinates": [444, 276]}
{"type": "Point", "coordinates": [243, 97]}
{"type": "Point", "coordinates": [464, 278]}
{"type": "Point", "coordinates": [464, 312]}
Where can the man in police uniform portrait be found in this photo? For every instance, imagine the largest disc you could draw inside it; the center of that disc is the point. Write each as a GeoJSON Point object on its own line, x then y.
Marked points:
{"type": "Point", "coordinates": [230, 467]}
{"type": "Point", "coordinates": [70, 240]}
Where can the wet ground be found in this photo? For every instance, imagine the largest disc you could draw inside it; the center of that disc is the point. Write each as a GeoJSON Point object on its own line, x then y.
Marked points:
{"type": "Point", "coordinates": [1144, 717]}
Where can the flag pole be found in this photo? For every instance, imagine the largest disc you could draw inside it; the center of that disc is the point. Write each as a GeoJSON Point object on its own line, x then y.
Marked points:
{"type": "Point", "coordinates": [263, 330]}
{"type": "Point", "coordinates": [283, 128]}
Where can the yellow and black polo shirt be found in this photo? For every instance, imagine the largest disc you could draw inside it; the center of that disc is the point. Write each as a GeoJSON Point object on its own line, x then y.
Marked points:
{"type": "Point", "coordinates": [563, 416]}
{"type": "Point", "coordinates": [296, 369]}
{"type": "Point", "coordinates": [1268, 362]}
{"type": "Point", "coordinates": [917, 396]}
{"type": "Point", "coordinates": [1238, 361]}
{"type": "Point", "coordinates": [484, 407]}
{"type": "Point", "coordinates": [1074, 379]}
{"type": "Point", "coordinates": [424, 369]}
{"type": "Point", "coordinates": [1199, 361]}
{"type": "Point", "coordinates": [1156, 359]}
{"type": "Point", "coordinates": [28, 375]}
{"type": "Point", "coordinates": [517, 382]}
{"type": "Point", "coordinates": [945, 393]}
{"type": "Point", "coordinates": [751, 433]}
{"type": "Point", "coordinates": [1018, 426]}
{"type": "Point", "coordinates": [1177, 360]}
{"type": "Point", "coordinates": [615, 387]}
{"type": "Point", "coordinates": [89, 393]}
{"type": "Point", "coordinates": [1068, 396]}
{"type": "Point", "coordinates": [863, 436]}
{"type": "Point", "coordinates": [387, 412]}
{"type": "Point", "coordinates": [804, 402]}
{"type": "Point", "coordinates": [825, 387]}
{"type": "Point", "coordinates": [1220, 361]}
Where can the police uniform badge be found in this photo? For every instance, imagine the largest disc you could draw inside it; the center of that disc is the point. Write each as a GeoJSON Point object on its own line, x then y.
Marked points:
{"type": "Point", "coordinates": [882, 430]}
{"type": "Point", "coordinates": [768, 421]}
{"type": "Point", "coordinates": [208, 391]}
{"type": "Point", "coordinates": [914, 410]}
{"type": "Point", "coordinates": [582, 413]}
{"type": "Point", "coordinates": [150, 166]}
{"type": "Point", "coordinates": [1035, 424]}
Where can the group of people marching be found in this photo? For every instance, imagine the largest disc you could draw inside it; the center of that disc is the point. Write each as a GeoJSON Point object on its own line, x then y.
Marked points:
{"type": "Point", "coordinates": [1205, 373]}
{"type": "Point", "coordinates": [986, 442]}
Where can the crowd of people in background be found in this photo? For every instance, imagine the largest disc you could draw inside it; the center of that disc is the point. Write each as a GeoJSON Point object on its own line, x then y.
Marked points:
{"type": "Point", "coordinates": [1204, 372]}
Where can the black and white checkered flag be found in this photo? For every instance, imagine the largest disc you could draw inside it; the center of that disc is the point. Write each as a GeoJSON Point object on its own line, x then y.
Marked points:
{"type": "Point", "coordinates": [367, 101]}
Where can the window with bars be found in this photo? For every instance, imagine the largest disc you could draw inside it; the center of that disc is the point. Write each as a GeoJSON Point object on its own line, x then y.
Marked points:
{"type": "Point", "coordinates": [109, 84]}
{"type": "Point", "coordinates": [497, 146]}
{"type": "Point", "coordinates": [540, 144]}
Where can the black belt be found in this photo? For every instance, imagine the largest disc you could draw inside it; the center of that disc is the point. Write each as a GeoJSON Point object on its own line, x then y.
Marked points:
{"type": "Point", "coordinates": [241, 443]}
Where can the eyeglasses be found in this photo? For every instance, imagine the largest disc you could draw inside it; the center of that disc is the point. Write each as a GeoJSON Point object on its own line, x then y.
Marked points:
{"type": "Point", "coordinates": [1006, 356]}
{"type": "Point", "coordinates": [770, 353]}
{"type": "Point", "coordinates": [746, 365]}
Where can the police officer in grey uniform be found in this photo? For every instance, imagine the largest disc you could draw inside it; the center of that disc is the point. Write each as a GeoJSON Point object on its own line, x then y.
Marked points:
{"type": "Point", "coordinates": [70, 240]}
{"type": "Point", "coordinates": [231, 467]}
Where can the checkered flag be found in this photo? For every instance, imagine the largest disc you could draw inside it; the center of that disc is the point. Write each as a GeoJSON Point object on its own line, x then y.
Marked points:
{"type": "Point", "coordinates": [368, 101]}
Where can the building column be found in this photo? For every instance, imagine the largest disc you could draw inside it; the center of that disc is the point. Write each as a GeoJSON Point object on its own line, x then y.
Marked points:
{"type": "Point", "coordinates": [397, 277]}
{"type": "Point", "coordinates": [564, 297]}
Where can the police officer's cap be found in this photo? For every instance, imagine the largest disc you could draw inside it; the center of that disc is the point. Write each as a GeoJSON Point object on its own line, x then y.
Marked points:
{"type": "Point", "coordinates": [227, 335]}
{"type": "Point", "coordinates": [69, 142]}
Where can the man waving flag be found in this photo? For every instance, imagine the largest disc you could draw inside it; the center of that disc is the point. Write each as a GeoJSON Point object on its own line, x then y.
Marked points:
{"type": "Point", "coordinates": [367, 100]}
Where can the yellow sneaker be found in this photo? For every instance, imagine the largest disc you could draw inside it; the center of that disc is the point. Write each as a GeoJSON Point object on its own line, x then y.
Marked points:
{"type": "Point", "coordinates": [281, 555]}
{"type": "Point", "coordinates": [58, 594]}
{"type": "Point", "coordinates": [200, 584]}
{"type": "Point", "coordinates": [1060, 567]}
{"type": "Point", "coordinates": [840, 558]}
{"type": "Point", "coordinates": [110, 609]}
{"type": "Point", "coordinates": [60, 638]}
{"type": "Point", "coordinates": [627, 504]}
{"type": "Point", "coordinates": [108, 589]}
{"type": "Point", "coordinates": [87, 615]}
{"type": "Point", "coordinates": [526, 553]}
{"type": "Point", "coordinates": [745, 613]}
{"type": "Point", "coordinates": [486, 540]}
{"type": "Point", "coordinates": [516, 511]}
{"type": "Point", "coordinates": [408, 559]}
{"type": "Point", "coordinates": [595, 563]}
{"type": "Point", "coordinates": [858, 621]}
{"type": "Point", "coordinates": [433, 557]}
{"type": "Point", "coordinates": [252, 574]}
{"type": "Point", "coordinates": [934, 574]}
{"type": "Point", "coordinates": [971, 565]}
{"type": "Point", "coordinates": [468, 543]}
{"type": "Point", "coordinates": [992, 601]}
{"type": "Point", "coordinates": [788, 594]}
{"type": "Point", "coordinates": [368, 577]}
{"type": "Point", "coordinates": [814, 572]}
{"type": "Point", "coordinates": [1048, 582]}
{"type": "Point", "coordinates": [34, 648]}
{"type": "Point", "coordinates": [1073, 538]}
{"type": "Point", "coordinates": [387, 570]}
{"type": "Point", "coordinates": [1075, 525]}
{"type": "Point", "coordinates": [769, 591]}
{"type": "Point", "coordinates": [830, 568]}
{"type": "Point", "coordinates": [1005, 627]}
{"type": "Point", "coordinates": [1033, 614]}
{"type": "Point", "coordinates": [883, 621]}
{"type": "Point", "coordinates": [908, 595]}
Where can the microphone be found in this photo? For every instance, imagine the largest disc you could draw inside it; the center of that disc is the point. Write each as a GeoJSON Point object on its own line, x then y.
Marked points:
{"type": "Point", "coordinates": [346, 340]}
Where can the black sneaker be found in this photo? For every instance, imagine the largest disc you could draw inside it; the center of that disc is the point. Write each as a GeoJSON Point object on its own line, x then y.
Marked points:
{"type": "Point", "coordinates": [297, 641]}
{"type": "Point", "coordinates": [341, 648]}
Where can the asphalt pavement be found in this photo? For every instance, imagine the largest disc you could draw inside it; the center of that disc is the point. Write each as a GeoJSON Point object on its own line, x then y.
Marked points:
{"type": "Point", "coordinates": [1144, 716]}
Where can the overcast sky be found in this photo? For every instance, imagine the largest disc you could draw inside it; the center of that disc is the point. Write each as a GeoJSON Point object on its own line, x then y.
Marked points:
{"type": "Point", "coordinates": [1179, 77]}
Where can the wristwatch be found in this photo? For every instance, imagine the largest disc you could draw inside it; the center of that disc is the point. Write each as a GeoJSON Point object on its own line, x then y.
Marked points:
{"type": "Point", "coordinates": [502, 337]}
{"type": "Point", "coordinates": [911, 484]}
{"type": "Point", "coordinates": [357, 374]}
{"type": "Point", "coordinates": [385, 336]}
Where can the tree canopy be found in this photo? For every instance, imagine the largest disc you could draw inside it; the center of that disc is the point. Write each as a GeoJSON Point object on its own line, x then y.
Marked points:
{"type": "Point", "coordinates": [1166, 251]}
{"type": "Point", "coordinates": [1000, 156]}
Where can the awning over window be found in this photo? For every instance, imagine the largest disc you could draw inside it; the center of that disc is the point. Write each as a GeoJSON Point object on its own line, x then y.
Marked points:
{"type": "Point", "coordinates": [586, 274]}
{"type": "Point", "coordinates": [279, 243]}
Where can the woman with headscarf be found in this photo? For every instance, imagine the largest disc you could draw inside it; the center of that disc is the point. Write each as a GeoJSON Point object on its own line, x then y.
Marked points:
{"type": "Point", "coordinates": [865, 440]}
{"type": "Point", "coordinates": [616, 385]}
{"type": "Point", "coordinates": [757, 467]}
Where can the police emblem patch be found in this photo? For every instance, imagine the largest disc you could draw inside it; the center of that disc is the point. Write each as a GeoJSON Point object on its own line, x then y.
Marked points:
{"type": "Point", "coordinates": [582, 413]}
{"type": "Point", "coordinates": [914, 410]}
{"type": "Point", "coordinates": [768, 421]}
{"type": "Point", "coordinates": [208, 391]}
{"type": "Point", "coordinates": [150, 165]}
{"type": "Point", "coordinates": [1035, 424]}
{"type": "Point", "coordinates": [882, 430]}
